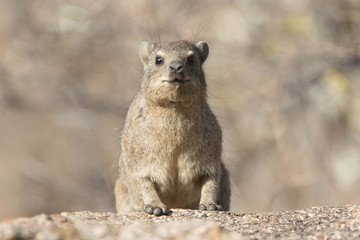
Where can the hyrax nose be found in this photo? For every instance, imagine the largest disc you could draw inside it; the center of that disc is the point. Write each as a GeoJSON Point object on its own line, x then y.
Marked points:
{"type": "Point", "coordinates": [176, 67]}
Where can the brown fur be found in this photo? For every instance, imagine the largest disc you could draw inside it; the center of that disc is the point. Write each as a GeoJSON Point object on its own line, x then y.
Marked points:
{"type": "Point", "coordinates": [171, 142]}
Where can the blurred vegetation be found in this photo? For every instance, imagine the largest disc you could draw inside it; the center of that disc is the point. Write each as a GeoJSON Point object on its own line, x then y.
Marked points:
{"type": "Point", "coordinates": [283, 79]}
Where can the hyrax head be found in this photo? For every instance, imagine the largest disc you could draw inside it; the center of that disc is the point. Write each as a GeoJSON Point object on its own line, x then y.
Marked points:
{"type": "Point", "coordinates": [173, 71]}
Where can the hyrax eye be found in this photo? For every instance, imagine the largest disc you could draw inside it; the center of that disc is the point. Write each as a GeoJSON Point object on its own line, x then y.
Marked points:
{"type": "Point", "coordinates": [191, 59]}
{"type": "Point", "coordinates": [159, 60]}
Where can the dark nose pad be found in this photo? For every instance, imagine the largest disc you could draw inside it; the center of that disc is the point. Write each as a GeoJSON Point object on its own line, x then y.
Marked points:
{"type": "Point", "coordinates": [176, 67]}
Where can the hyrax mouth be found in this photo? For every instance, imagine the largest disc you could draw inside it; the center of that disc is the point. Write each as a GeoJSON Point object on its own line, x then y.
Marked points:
{"type": "Point", "coordinates": [176, 80]}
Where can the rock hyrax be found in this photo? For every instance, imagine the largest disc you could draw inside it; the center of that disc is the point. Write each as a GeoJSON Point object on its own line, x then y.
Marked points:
{"type": "Point", "coordinates": [171, 141]}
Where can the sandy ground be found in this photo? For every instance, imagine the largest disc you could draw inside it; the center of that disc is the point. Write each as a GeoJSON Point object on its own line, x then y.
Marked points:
{"type": "Point", "coordinates": [312, 223]}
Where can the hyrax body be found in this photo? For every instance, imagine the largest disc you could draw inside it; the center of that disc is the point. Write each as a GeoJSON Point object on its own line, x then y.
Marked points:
{"type": "Point", "coordinates": [171, 142]}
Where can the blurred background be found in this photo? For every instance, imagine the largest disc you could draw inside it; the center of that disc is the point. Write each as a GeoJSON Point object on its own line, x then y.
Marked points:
{"type": "Point", "coordinates": [283, 80]}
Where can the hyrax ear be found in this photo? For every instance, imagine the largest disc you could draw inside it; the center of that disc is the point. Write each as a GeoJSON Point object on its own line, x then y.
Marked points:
{"type": "Point", "coordinates": [204, 50]}
{"type": "Point", "coordinates": [144, 52]}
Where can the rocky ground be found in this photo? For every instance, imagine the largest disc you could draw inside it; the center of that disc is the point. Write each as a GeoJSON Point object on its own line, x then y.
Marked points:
{"type": "Point", "coordinates": [312, 223]}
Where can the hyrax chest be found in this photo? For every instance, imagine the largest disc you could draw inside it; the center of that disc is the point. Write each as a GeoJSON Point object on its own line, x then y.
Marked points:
{"type": "Point", "coordinates": [175, 153]}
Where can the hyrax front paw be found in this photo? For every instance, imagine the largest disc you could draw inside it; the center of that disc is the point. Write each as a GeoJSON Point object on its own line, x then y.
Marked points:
{"type": "Point", "coordinates": [157, 211]}
{"type": "Point", "coordinates": [211, 207]}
